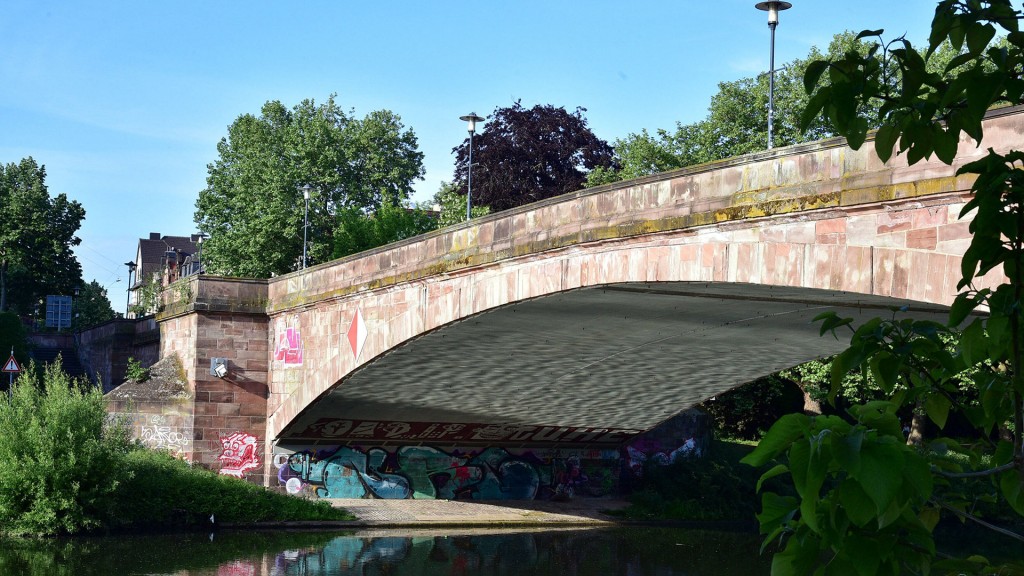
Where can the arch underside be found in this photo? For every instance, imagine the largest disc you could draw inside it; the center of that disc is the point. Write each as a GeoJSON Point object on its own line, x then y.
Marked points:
{"type": "Point", "coordinates": [620, 358]}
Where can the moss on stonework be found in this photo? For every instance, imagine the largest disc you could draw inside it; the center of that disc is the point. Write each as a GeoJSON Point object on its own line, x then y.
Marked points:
{"type": "Point", "coordinates": [749, 205]}
{"type": "Point", "coordinates": [167, 380]}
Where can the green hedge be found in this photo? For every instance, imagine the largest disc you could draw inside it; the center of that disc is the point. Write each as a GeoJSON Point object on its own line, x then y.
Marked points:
{"type": "Point", "coordinates": [65, 468]}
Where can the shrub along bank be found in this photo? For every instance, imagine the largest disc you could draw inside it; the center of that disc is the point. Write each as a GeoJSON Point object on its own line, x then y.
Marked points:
{"type": "Point", "coordinates": [64, 469]}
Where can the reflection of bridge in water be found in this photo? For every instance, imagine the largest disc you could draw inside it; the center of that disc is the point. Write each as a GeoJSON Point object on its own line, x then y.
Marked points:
{"type": "Point", "coordinates": [553, 333]}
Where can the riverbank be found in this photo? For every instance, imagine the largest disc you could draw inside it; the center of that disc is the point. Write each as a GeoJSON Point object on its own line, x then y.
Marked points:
{"type": "Point", "coordinates": [463, 513]}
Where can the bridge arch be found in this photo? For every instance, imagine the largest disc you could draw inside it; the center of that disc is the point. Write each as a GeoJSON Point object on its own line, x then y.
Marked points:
{"type": "Point", "coordinates": [763, 241]}
{"type": "Point", "coordinates": [821, 218]}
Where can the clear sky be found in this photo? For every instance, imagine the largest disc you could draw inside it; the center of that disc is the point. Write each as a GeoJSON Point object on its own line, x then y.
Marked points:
{"type": "Point", "coordinates": [124, 102]}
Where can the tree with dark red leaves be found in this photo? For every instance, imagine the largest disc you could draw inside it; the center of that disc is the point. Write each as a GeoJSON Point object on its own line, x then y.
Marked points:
{"type": "Point", "coordinates": [524, 155]}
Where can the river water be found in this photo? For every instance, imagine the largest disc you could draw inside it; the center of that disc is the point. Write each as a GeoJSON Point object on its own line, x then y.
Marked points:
{"type": "Point", "coordinates": [626, 551]}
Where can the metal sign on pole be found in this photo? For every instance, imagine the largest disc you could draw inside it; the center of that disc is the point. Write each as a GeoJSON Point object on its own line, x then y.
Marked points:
{"type": "Point", "coordinates": [11, 367]}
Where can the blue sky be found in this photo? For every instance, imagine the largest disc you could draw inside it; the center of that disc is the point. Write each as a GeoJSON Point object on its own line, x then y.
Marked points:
{"type": "Point", "coordinates": [124, 102]}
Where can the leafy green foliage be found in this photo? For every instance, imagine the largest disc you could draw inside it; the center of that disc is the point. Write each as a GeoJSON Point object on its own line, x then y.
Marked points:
{"type": "Point", "coordinates": [92, 306]}
{"type": "Point", "coordinates": [13, 338]}
{"type": "Point", "coordinates": [867, 502]}
{"type": "Point", "coordinates": [253, 206]}
{"type": "Point", "coordinates": [746, 412]}
{"type": "Point", "coordinates": [357, 231]}
{"type": "Point", "coordinates": [59, 461]}
{"type": "Point", "coordinates": [164, 491]}
{"type": "Point", "coordinates": [65, 469]}
{"type": "Point", "coordinates": [135, 372]}
{"type": "Point", "coordinates": [453, 206]}
{"type": "Point", "coordinates": [36, 238]}
{"type": "Point", "coordinates": [525, 155]}
{"type": "Point", "coordinates": [147, 297]}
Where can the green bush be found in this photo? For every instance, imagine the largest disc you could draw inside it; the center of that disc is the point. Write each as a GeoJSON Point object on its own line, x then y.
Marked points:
{"type": "Point", "coordinates": [164, 491]}
{"type": "Point", "coordinates": [135, 372]}
{"type": "Point", "coordinates": [65, 468]}
{"type": "Point", "coordinates": [60, 465]}
{"type": "Point", "coordinates": [747, 411]}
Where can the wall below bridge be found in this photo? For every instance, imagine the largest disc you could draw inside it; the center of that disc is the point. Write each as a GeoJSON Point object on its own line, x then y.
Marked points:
{"type": "Point", "coordinates": [546, 470]}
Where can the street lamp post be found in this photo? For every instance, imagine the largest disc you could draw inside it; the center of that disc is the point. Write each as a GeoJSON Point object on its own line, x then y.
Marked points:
{"type": "Point", "coordinates": [305, 222]}
{"type": "Point", "coordinates": [772, 8]}
{"type": "Point", "coordinates": [471, 119]}
{"type": "Point", "coordinates": [131, 270]}
{"type": "Point", "coordinates": [199, 258]}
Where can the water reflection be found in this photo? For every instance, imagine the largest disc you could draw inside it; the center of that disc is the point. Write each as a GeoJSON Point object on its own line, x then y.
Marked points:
{"type": "Point", "coordinates": [618, 551]}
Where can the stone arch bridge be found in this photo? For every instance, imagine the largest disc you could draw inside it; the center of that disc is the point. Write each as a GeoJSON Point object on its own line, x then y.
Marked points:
{"type": "Point", "coordinates": [505, 356]}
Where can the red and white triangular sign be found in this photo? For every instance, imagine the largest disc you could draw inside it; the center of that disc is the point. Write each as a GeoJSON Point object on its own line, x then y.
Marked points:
{"type": "Point", "coordinates": [11, 365]}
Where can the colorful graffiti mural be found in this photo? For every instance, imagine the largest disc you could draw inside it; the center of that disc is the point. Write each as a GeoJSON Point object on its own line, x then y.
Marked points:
{"type": "Point", "coordinates": [240, 454]}
{"type": "Point", "coordinates": [288, 338]}
{"type": "Point", "coordinates": [371, 468]}
{"type": "Point", "coordinates": [426, 472]}
{"type": "Point", "coordinates": [685, 435]}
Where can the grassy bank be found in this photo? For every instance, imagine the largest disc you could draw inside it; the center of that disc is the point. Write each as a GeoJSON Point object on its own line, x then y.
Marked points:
{"type": "Point", "coordinates": [65, 469]}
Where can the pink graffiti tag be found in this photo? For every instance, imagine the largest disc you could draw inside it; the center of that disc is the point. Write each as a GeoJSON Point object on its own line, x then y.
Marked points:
{"type": "Point", "coordinates": [240, 454]}
{"type": "Point", "coordinates": [289, 346]}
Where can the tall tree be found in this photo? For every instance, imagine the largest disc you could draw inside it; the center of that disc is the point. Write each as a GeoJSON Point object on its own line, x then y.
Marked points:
{"type": "Point", "coordinates": [453, 206]}
{"type": "Point", "coordinates": [253, 206]}
{"type": "Point", "coordinates": [358, 231]}
{"type": "Point", "coordinates": [13, 340]}
{"type": "Point", "coordinates": [91, 306]}
{"type": "Point", "coordinates": [528, 154]}
{"type": "Point", "coordinates": [36, 238]}
{"type": "Point", "coordinates": [865, 501]}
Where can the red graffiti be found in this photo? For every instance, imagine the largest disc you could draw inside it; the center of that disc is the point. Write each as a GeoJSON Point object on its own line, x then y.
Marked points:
{"type": "Point", "coordinates": [289, 346]}
{"type": "Point", "coordinates": [240, 454]}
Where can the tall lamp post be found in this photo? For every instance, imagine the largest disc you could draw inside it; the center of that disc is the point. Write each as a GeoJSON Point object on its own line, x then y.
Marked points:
{"type": "Point", "coordinates": [199, 258]}
{"type": "Point", "coordinates": [772, 8]}
{"type": "Point", "coordinates": [131, 270]}
{"type": "Point", "coordinates": [305, 222]}
{"type": "Point", "coordinates": [471, 119]}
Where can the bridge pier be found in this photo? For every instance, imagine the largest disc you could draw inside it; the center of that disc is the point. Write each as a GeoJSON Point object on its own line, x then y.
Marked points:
{"type": "Point", "coordinates": [206, 317]}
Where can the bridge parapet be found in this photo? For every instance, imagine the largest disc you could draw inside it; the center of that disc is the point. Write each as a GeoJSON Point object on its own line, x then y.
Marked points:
{"type": "Point", "coordinates": [794, 180]}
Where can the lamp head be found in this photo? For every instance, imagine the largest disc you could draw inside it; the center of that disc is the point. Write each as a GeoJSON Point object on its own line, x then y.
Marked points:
{"type": "Point", "coordinates": [773, 8]}
{"type": "Point", "coordinates": [306, 190]}
{"type": "Point", "coordinates": [471, 119]}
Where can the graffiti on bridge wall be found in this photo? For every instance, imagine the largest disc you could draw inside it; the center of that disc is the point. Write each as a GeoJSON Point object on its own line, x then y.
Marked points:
{"type": "Point", "coordinates": [685, 435]}
{"type": "Point", "coordinates": [239, 455]}
{"type": "Point", "coordinates": [288, 342]}
{"type": "Point", "coordinates": [389, 431]}
{"type": "Point", "coordinates": [428, 472]}
{"type": "Point", "coordinates": [170, 432]}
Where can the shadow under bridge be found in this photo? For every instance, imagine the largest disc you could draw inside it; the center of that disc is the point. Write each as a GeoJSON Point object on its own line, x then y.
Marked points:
{"type": "Point", "coordinates": [591, 365]}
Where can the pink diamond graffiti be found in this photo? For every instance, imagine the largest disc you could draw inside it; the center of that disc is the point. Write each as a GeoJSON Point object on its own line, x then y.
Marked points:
{"type": "Point", "coordinates": [240, 454]}
{"type": "Point", "coordinates": [289, 345]}
{"type": "Point", "coordinates": [357, 333]}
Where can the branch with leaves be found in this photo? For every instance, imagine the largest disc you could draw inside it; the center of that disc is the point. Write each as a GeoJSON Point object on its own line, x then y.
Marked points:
{"type": "Point", "coordinates": [867, 502]}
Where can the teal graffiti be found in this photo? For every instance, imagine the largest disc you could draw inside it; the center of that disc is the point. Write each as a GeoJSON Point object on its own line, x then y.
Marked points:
{"type": "Point", "coordinates": [425, 472]}
{"type": "Point", "coordinates": [349, 473]}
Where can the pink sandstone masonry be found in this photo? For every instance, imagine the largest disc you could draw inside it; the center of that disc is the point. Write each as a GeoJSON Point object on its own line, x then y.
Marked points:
{"type": "Point", "coordinates": [817, 216]}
